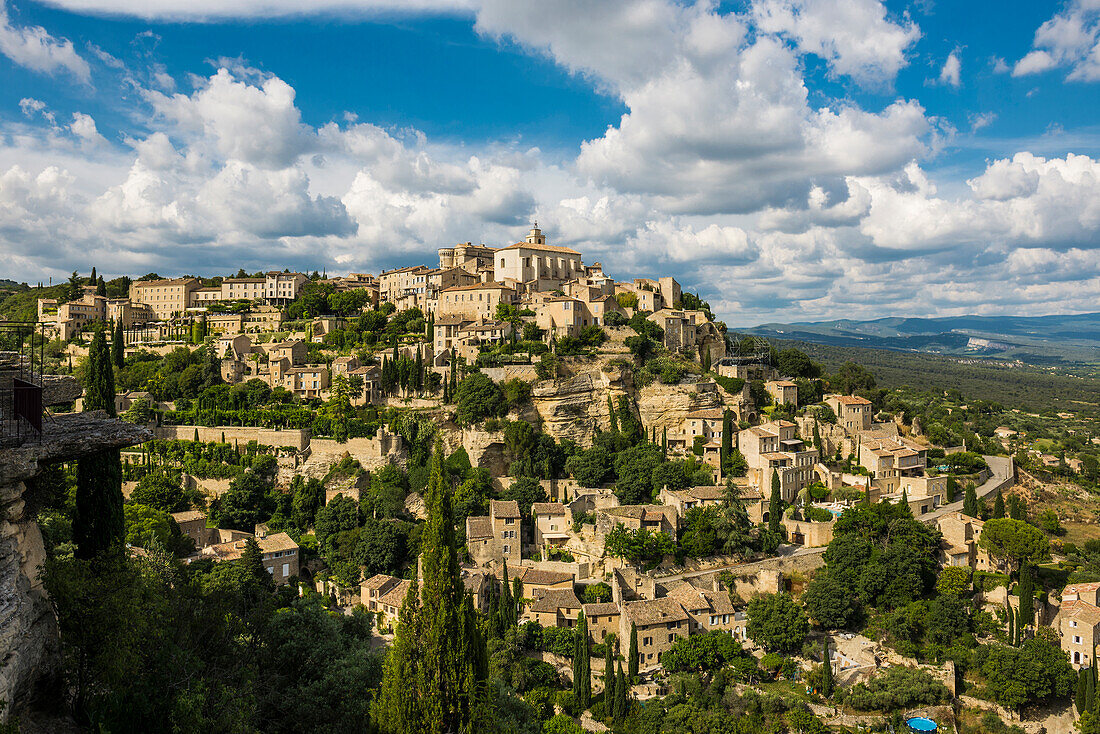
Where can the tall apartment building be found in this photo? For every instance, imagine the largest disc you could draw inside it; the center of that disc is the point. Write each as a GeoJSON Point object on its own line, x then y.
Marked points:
{"type": "Point", "coordinates": [476, 301]}
{"type": "Point", "coordinates": [395, 284]}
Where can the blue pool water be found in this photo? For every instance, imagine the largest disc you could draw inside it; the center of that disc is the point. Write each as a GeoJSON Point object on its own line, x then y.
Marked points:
{"type": "Point", "coordinates": [919, 723]}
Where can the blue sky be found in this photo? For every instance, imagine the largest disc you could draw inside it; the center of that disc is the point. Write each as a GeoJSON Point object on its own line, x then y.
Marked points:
{"type": "Point", "coordinates": [788, 159]}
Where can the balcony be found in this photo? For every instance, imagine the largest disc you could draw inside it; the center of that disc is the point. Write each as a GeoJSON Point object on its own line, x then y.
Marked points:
{"type": "Point", "coordinates": [22, 345]}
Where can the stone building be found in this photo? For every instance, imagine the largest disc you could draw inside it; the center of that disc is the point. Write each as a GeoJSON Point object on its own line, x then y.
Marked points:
{"type": "Point", "coordinates": [497, 537]}
{"type": "Point", "coordinates": [853, 413]}
{"type": "Point", "coordinates": [1078, 622]}
{"type": "Point", "coordinates": [775, 447]}
{"type": "Point", "coordinates": [659, 623]}
{"type": "Point", "coordinates": [537, 265]}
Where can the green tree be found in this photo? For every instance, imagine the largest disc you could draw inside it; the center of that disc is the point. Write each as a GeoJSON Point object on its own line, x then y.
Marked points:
{"type": "Point", "coordinates": [118, 346]}
{"type": "Point", "coordinates": [999, 506]}
{"type": "Point", "coordinates": [1035, 672]}
{"type": "Point", "coordinates": [252, 561]}
{"type": "Point", "coordinates": [159, 490]}
{"type": "Point", "coordinates": [437, 662]}
{"type": "Point", "coordinates": [777, 623]}
{"type": "Point", "coordinates": [1026, 589]}
{"type": "Point", "coordinates": [970, 501]}
{"type": "Point", "coordinates": [775, 506]}
{"type": "Point", "coordinates": [582, 665]}
{"type": "Point", "coordinates": [1014, 540]}
{"type": "Point", "coordinates": [632, 654]}
{"type": "Point", "coordinates": [477, 398]}
{"type": "Point", "coordinates": [826, 670]}
{"type": "Point", "coordinates": [98, 377]}
{"type": "Point", "coordinates": [621, 687]}
{"type": "Point", "coordinates": [99, 525]}
{"type": "Point", "coordinates": [829, 602]}
{"type": "Point", "coordinates": [608, 672]}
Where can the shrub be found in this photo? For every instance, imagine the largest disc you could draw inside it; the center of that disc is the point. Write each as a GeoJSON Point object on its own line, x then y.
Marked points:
{"type": "Point", "coordinates": [899, 687]}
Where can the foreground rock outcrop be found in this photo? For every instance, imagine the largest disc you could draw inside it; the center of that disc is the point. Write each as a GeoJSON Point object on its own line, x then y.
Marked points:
{"type": "Point", "coordinates": [28, 630]}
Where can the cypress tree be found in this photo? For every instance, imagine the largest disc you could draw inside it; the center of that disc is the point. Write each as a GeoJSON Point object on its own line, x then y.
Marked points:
{"type": "Point", "coordinates": [118, 346]}
{"type": "Point", "coordinates": [727, 440]}
{"type": "Point", "coordinates": [1082, 690]}
{"type": "Point", "coordinates": [437, 662]}
{"type": "Point", "coordinates": [582, 665]}
{"type": "Point", "coordinates": [1011, 624]}
{"type": "Point", "coordinates": [664, 442]}
{"type": "Point", "coordinates": [517, 596]}
{"type": "Point", "coordinates": [99, 526]}
{"type": "Point", "coordinates": [252, 559]}
{"type": "Point", "coordinates": [92, 277]}
{"type": "Point", "coordinates": [632, 654]}
{"type": "Point", "coordinates": [507, 603]}
{"type": "Point", "coordinates": [905, 501]}
{"type": "Point", "coordinates": [608, 672]}
{"type": "Point", "coordinates": [1027, 600]}
{"type": "Point", "coordinates": [620, 695]}
{"type": "Point", "coordinates": [611, 415]}
{"type": "Point", "coordinates": [1090, 688]}
{"type": "Point", "coordinates": [817, 438]}
{"type": "Point", "coordinates": [826, 670]}
{"type": "Point", "coordinates": [775, 508]}
{"type": "Point", "coordinates": [970, 501]}
{"type": "Point", "coordinates": [706, 361]}
{"type": "Point", "coordinates": [999, 506]}
{"type": "Point", "coordinates": [99, 378]}
{"type": "Point", "coordinates": [1017, 510]}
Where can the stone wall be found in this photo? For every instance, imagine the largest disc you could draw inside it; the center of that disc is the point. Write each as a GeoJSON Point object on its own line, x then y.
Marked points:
{"type": "Point", "coordinates": [290, 438]}
{"type": "Point", "coordinates": [372, 453]}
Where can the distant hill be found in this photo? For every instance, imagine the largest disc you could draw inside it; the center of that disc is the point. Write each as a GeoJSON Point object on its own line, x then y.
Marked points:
{"type": "Point", "coordinates": [1033, 339]}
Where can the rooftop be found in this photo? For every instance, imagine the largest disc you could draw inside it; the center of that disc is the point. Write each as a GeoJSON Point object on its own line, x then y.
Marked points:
{"type": "Point", "coordinates": [544, 248]}
{"type": "Point", "coordinates": [504, 508]}
{"type": "Point", "coordinates": [548, 508]}
{"type": "Point", "coordinates": [654, 611]}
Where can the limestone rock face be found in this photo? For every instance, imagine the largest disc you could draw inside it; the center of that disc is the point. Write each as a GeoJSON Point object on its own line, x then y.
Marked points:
{"type": "Point", "coordinates": [485, 449]}
{"type": "Point", "coordinates": [28, 630]}
{"type": "Point", "coordinates": [572, 408]}
{"type": "Point", "coordinates": [666, 406]}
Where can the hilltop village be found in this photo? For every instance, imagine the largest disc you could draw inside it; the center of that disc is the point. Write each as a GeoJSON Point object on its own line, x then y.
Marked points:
{"type": "Point", "coordinates": [642, 501]}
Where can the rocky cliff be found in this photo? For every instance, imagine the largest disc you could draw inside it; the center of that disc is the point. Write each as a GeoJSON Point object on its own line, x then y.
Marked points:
{"type": "Point", "coordinates": [666, 406]}
{"type": "Point", "coordinates": [573, 407]}
{"type": "Point", "coordinates": [28, 630]}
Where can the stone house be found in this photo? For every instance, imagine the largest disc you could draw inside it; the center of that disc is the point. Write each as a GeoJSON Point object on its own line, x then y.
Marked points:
{"type": "Point", "coordinates": [853, 413]}
{"type": "Point", "coordinates": [654, 518]}
{"type": "Point", "coordinates": [394, 284]}
{"type": "Point", "coordinates": [166, 298]}
{"type": "Point", "coordinates": [476, 301]}
{"type": "Point", "coordinates": [783, 392]}
{"type": "Point", "coordinates": [552, 523]}
{"type": "Point", "coordinates": [1078, 622]}
{"type": "Point", "coordinates": [384, 595]}
{"type": "Point", "coordinates": [282, 288]}
{"type": "Point", "coordinates": [497, 537]}
{"type": "Point", "coordinates": [554, 608]}
{"type": "Point", "coordinates": [691, 497]}
{"type": "Point", "coordinates": [774, 447]}
{"type": "Point", "coordinates": [891, 458]}
{"type": "Point", "coordinates": [280, 554]}
{"type": "Point", "coordinates": [294, 351]}
{"type": "Point", "coordinates": [468, 256]}
{"type": "Point", "coordinates": [192, 523]}
{"type": "Point", "coordinates": [536, 580]}
{"type": "Point", "coordinates": [960, 543]}
{"type": "Point", "coordinates": [689, 331]}
{"type": "Point", "coordinates": [708, 610]}
{"type": "Point", "coordinates": [603, 619]}
{"type": "Point", "coordinates": [659, 623]}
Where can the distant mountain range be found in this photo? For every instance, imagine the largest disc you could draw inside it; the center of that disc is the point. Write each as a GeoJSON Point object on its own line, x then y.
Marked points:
{"type": "Point", "coordinates": [1033, 339]}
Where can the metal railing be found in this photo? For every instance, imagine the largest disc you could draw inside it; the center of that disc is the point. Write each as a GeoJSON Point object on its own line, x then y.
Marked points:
{"type": "Point", "coordinates": [22, 355]}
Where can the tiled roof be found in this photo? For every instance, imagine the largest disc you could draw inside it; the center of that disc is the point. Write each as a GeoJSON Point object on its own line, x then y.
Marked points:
{"type": "Point", "coordinates": [783, 383]}
{"type": "Point", "coordinates": [708, 414]}
{"type": "Point", "coordinates": [601, 609]}
{"type": "Point", "coordinates": [1087, 613]}
{"type": "Point", "coordinates": [694, 598]}
{"type": "Point", "coordinates": [277, 542]}
{"type": "Point", "coordinates": [377, 581]}
{"type": "Point", "coordinates": [551, 600]}
{"type": "Point", "coordinates": [545, 248]}
{"type": "Point", "coordinates": [541, 577]}
{"type": "Point", "coordinates": [852, 400]}
{"type": "Point", "coordinates": [395, 596]}
{"type": "Point", "coordinates": [1075, 588]}
{"type": "Point", "coordinates": [548, 508]}
{"type": "Point", "coordinates": [504, 508]}
{"type": "Point", "coordinates": [188, 515]}
{"type": "Point", "coordinates": [479, 528]}
{"type": "Point", "coordinates": [654, 611]}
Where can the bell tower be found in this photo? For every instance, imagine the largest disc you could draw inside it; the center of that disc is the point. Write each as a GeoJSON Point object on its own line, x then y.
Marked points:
{"type": "Point", "coordinates": [535, 236]}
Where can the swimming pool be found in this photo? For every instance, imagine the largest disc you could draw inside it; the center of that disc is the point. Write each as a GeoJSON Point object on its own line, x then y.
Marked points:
{"type": "Point", "coordinates": [920, 723]}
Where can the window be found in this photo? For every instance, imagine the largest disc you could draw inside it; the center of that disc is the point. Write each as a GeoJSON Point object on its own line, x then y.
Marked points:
{"type": "Point", "coordinates": [286, 570]}
{"type": "Point", "coordinates": [1076, 639]}
{"type": "Point", "coordinates": [507, 549]}
{"type": "Point", "coordinates": [647, 641]}
{"type": "Point", "coordinates": [671, 638]}
{"type": "Point", "coordinates": [714, 619]}
{"type": "Point", "coordinates": [1073, 624]}
{"type": "Point", "coordinates": [271, 570]}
